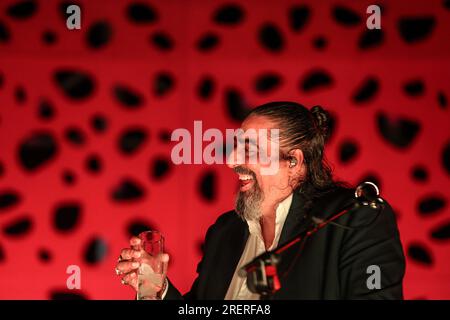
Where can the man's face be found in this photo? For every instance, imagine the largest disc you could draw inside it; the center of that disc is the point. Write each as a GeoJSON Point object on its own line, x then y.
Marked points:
{"type": "Point", "coordinates": [259, 191]}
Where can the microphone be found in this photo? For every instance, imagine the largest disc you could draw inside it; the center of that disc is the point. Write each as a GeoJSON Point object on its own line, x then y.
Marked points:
{"type": "Point", "coordinates": [367, 194]}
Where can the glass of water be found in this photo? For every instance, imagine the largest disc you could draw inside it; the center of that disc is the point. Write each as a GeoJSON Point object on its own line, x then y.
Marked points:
{"type": "Point", "coordinates": [151, 272]}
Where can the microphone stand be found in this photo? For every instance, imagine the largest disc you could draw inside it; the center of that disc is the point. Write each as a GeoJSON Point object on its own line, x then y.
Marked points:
{"type": "Point", "coordinates": [261, 272]}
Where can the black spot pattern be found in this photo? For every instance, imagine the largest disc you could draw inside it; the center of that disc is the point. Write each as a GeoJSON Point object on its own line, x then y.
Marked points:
{"type": "Point", "coordinates": [9, 199]}
{"type": "Point", "coordinates": [208, 42]}
{"type": "Point", "coordinates": [267, 82]}
{"type": "Point", "coordinates": [229, 14]}
{"type": "Point", "coordinates": [99, 34]}
{"type": "Point", "coordinates": [371, 39]}
{"type": "Point", "coordinates": [22, 10]}
{"type": "Point", "coordinates": [75, 84]}
{"type": "Point", "coordinates": [95, 251]}
{"type": "Point", "coordinates": [416, 29]}
{"type": "Point", "coordinates": [446, 4]}
{"type": "Point", "coordinates": [93, 164]}
{"type": "Point", "coordinates": [99, 123]}
{"type": "Point", "coordinates": [18, 227]}
{"type": "Point", "coordinates": [446, 157]}
{"type": "Point", "coordinates": [205, 88]}
{"type": "Point", "coordinates": [37, 150]}
{"type": "Point", "coordinates": [441, 232]}
{"type": "Point", "coordinates": [20, 94]}
{"type": "Point", "coordinates": [419, 173]}
{"type": "Point", "coordinates": [315, 80]}
{"type": "Point", "coordinates": [131, 140]}
{"type": "Point", "coordinates": [164, 136]}
{"type": "Point", "coordinates": [367, 90]}
{"type": "Point", "coordinates": [345, 16]}
{"type": "Point", "coordinates": [371, 177]}
{"type": "Point", "coordinates": [75, 136]}
{"type": "Point", "coordinates": [135, 227]}
{"type": "Point", "coordinates": [399, 133]}
{"type": "Point", "coordinates": [414, 88]}
{"type": "Point", "coordinates": [332, 121]}
{"type": "Point", "coordinates": [431, 205]}
{"type": "Point", "coordinates": [46, 111]}
{"type": "Point", "coordinates": [271, 38]}
{"type": "Point", "coordinates": [128, 190]}
{"type": "Point", "coordinates": [442, 99]}
{"type": "Point", "coordinates": [207, 186]}
{"type": "Point", "coordinates": [299, 17]}
{"type": "Point", "coordinates": [320, 42]}
{"type": "Point", "coordinates": [66, 216]}
{"type": "Point", "coordinates": [68, 177]}
{"type": "Point", "coordinates": [163, 84]}
{"type": "Point", "coordinates": [128, 97]}
{"type": "Point", "coordinates": [236, 106]}
{"type": "Point", "coordinates": [420, 254]}
{"type": "Point", "coordinates": [66, 295]}
{"type": "Point", "coordinates": [160, 168]}
{"type": "Point", "coordinates": [49, 37]}
{"type": "Point", "coordinates": [5, 34]}
{"type": "Point", "coordinates": [45, 255]}
{"type": "Point", "coordinates": [227, 21]}
{"type": "Point", "coordinates": [141, 13]}
{"type": "Point", "coordinates": [2, 254]}
{"type": "Point", "coordinates": [348, 151]}
{"type": "Point", "coordinates": [162, 41]}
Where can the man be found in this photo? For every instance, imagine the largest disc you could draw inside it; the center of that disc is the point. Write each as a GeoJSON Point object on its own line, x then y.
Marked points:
{"type": "Point", "coordinates": [335, 263]}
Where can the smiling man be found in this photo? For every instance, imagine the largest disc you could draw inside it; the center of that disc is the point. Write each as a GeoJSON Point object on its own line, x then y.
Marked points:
{"type": "Point", "coordinates": [270, 209]}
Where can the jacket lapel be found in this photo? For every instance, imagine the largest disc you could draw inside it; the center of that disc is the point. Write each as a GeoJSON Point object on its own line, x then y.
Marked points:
{"type": "Point", "coordinates": [296, 220]}
{"type": "Point", "coordinates": [234, 241]}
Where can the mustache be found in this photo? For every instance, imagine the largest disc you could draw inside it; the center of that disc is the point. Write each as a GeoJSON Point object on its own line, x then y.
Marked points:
{"type": "Point", "coordinates": [242, 170]}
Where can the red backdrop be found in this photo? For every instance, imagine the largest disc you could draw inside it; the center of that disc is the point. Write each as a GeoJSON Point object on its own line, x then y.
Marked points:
{"type": "Point", "coordinates": [86, 117]}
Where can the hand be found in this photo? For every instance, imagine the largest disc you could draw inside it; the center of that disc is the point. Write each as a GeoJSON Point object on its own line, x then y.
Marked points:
{"type": "Point", "coordinates": [128, 265]}
{"type": "Point", "coordinates": [141, 271]}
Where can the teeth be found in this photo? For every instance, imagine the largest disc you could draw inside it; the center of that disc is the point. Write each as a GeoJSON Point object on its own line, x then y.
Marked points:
{"type": "Point", "coordinates": [246, 177]}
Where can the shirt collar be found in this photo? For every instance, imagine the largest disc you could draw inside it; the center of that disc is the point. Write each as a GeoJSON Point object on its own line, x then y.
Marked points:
{"type": "Point", "coordinates": [283, 210]}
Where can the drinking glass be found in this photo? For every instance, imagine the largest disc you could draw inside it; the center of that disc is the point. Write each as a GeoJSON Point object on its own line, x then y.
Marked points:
{"type": "Point", "coordinates": [151, 271]}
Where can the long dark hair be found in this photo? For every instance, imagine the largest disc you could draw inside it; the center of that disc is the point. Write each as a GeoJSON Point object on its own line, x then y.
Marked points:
{"type": "Point", "coordinates": [306, 130]}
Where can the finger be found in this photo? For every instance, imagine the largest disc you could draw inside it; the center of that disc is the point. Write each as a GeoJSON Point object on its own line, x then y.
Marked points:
{"type": "Point", "coordinates": [127, 266]}
{"type": "Point", "coordinates": [135, 243]}
{"type": "Point", "coordinates": [134, 283]}
{"type": "Point", "coordinates": [129, 277]}
{"type": "Point", "coordinates": [128, 254]}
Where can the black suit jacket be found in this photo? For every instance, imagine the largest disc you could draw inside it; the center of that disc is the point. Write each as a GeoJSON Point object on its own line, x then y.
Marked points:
{"type": "Point", "coordinates": [332, 265]}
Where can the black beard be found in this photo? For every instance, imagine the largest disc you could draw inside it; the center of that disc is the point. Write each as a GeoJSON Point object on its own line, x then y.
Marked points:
{"type": "Point", "coordinates": [248, 203]}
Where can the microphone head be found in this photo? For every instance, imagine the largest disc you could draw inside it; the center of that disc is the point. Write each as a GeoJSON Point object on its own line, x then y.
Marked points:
{"type": "Point", "coordinates": [367, 193]}
{"type": "Point", "coordinates": [367, 189]}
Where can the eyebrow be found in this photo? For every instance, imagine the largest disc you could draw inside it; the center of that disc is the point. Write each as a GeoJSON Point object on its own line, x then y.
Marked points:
{"type": "Point", "coordinates": [248, 141]}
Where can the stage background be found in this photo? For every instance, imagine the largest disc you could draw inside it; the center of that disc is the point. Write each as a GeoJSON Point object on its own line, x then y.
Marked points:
{"type": "Point", "coordinates": [86, 117]}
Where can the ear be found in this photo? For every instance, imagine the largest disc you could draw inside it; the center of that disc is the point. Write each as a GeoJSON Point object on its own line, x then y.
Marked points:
{"type": "Point", "coordinates": [295, 161]}
{"type": "Point", "coordinates": [297, 171]}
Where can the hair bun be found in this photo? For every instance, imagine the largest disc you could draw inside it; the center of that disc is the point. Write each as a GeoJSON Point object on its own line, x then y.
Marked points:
{"type": "Point", "coordinates": [322, 119]}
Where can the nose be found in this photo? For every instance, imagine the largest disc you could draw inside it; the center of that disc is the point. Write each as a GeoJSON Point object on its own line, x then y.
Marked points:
{"type": "Point", "coordinates": [231, 161]}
